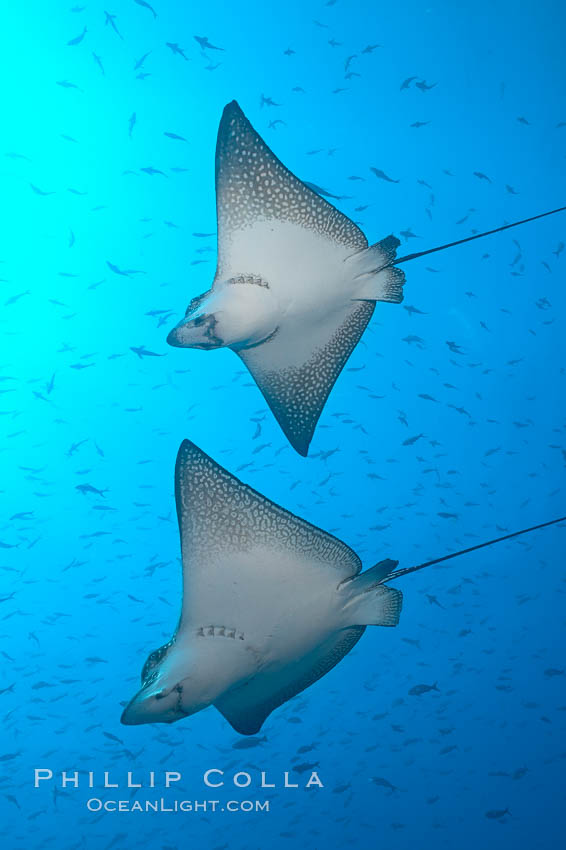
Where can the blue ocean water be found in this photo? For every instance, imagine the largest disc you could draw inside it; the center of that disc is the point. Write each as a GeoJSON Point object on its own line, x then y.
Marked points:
{"type": "Point", "coordinates": [108, 232]}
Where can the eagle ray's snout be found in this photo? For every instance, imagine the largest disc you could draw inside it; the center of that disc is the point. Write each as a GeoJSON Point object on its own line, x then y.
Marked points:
{"type": "Point", "coordinates": [196, 331]}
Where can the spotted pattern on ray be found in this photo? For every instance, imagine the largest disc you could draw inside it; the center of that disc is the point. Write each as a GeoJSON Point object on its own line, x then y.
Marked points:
{"type": "Point", "coordinates": [341, 644]}
{"type": "Point", "coordinates": [297, 394]}
{"type": "Point", "coordinates": [218, 514]}
{"type": "Point", "coordinates": [247, 715]}
{"type": "Point", "coordinates": [252, 184]}
{"type": "Point", "coordinates": [197, 301]}
{"type": "Point", "coordinates": [149, 673]}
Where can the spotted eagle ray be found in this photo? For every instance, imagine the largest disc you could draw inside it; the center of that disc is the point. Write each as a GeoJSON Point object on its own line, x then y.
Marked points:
{"type": "Point", "coordinates": [270, 603]}
{"type": "Point", "coordinates": [296, 282]}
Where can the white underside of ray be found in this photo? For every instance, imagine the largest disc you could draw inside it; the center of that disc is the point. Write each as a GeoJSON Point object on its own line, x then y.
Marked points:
{"type": "Point", "coordinates": [260, 586]}
{"type": "Point", "coordinates": [267, 594]}
{"type": "Point", "coordinates": [270, 603]}
{"type": "Point", "coordinates": [292, 293]}
{"type": "Point", "coordinates": [262, 620]}
{"type": "Point", "coordinates": [249, 703]}
{"type": "Point", "coordinates": [299, 326]}
{"type": "Point", "coordinates": [308, 293]}
{"type": "Point", "coordinates": [287, 613]}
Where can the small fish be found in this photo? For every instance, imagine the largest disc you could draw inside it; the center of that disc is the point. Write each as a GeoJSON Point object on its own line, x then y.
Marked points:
{"type": "Point", "coordinates": [412, 440]}
{"type": "Point", "coordinates": [423, 86]}
{"type": "Point", "coordinates": [419, 690]}
{"type": "Point", "coordinates": [406, 83]}
{"type": "Point", "coordinates": [141, 60]}
{"type": "Point", "coordinates": [304, 766]}
{"type": "Point", "coordinates": [17, 297]}
{"type": "Point", "coordinates": [141, 351]}
{"type": "Point", "coordinates": [320, 191]}
{"type": "Point", "coordinates": [175, 136]}
{"type": "Point", "coordinates": [174, 48]}
{"type": "Point", "coordinates": [77, 39]}
{"type": "Point", "coordinates": [39, 191]}
{"type": "Point", "coordinates": [382, 175]}
{"type": "Point", "coordinates": [306, 748]}
{"type": "Point", "coordinates": [66, 84]}
{"type": "Point", "coordinates": [111, 19]}
{"type": "Point", "coordinates": [149, 169]}
{"type": "Point", "coordinates": [113, 737]}
{"type": "Point", "coordinates": [10, 756]}
{"type": "Point", "coordinates": [383, 783]}
{"type": "Point", "coordinates": [247, 743]}
{"type": "Point", "coordinates": [115, 269]}
{"type": "Point", "coordinates": [88, 488]}
{"type": "Point", "coordinates": [205, 43]}
{"type": "Point", "coordinates": [519, 773]}
{"type": "Point", "coordinates": [497, 814]}
{"type": "Point", "coordinates": [146, 6]}
{"type": "Point", "coordinates": [98, 61]}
